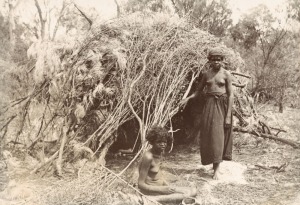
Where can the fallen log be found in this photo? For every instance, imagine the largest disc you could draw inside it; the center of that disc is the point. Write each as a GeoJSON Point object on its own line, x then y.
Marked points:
{"type": "Point", "coordinates": [264, 125]}
{"type": "Point", "coordinates": [240, 74]}
{"type": "Point", "coordinates": [267, 136]}
{"type": "Point", "coordinates": [280, 168]}
{"type": "Point", "coordinates": [278, 130]}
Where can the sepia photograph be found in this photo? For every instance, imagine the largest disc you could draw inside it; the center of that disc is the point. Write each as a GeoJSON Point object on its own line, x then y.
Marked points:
{"type": "Point", "coordinates": [150, 102]}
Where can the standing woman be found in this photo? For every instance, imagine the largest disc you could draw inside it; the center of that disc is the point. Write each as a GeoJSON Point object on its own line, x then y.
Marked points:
{"type": "Point", "coordinates": [216, 116]}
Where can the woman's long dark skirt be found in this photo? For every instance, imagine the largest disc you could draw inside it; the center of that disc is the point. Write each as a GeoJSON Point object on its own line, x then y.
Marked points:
{"type": "Point", "coordinates": [215, 139]}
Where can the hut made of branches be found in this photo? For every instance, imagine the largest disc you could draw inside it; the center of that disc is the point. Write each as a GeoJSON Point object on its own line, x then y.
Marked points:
{"type": "Point", "coordinates": [136, 68]}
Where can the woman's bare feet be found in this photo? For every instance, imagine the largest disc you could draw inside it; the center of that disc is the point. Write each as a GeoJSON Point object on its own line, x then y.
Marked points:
{"type": "Point", "coordinates": [216, 167]}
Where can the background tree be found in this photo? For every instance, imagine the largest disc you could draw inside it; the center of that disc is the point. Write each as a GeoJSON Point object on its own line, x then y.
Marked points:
{"type": "Point", "coordinates": [268, 46]}
{"type": "Point", "coordinates": [252, 26]}
{"type": "Point", "coordinates": [118, 8]}
{"type": "Point", "coordinates": [294, 9]}
{"type": "Point", "coordinates": [42, 19]}
{"type": "Point", "coordinates": [12, 45]}
{"type": "Point", "coordinates": [12, 5]}
{"type": "Point", "coordinates": [4, 37]}
{"type": "Point", "coordinates": [145, 5]}
{"type": "Point", "coordinates": [212, 16]}
{"type": "Point", "coordinates": [63, 18]}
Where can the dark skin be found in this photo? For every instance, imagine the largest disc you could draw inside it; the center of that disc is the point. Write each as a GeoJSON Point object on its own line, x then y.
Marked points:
{"type": "Point", "coordinates": [216, 80]}
{"type": "Point", "coordinates": [149, 170]}
{"type": "Point", "coordinates": [151, 180]}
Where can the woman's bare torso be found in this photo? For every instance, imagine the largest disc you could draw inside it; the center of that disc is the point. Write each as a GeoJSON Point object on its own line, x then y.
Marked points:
{"type": "Point", "coordinates": [154, 174]}
{"type": "Point", "coordinates": [216, 81]}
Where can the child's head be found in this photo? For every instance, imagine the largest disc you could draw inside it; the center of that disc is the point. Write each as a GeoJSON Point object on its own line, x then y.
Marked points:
{"type": "Point", "coordinates": [158, 133]}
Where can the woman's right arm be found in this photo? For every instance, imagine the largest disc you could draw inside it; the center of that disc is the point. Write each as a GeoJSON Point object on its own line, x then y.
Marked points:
{"type": "Point", "coordinates": [143, 173]}
{"type": "Point", "coordinates": [197, 92]}
{"type": "Point", "coordinates": [201, 85]}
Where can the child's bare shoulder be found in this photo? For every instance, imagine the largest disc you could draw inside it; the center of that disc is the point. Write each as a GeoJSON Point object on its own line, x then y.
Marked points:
{"type": "Point", "coordinates": [147, 156]}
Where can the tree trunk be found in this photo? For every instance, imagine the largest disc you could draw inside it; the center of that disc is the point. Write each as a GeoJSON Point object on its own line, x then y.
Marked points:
{"type": "Point", "coordinates": [59, 19]}
{"type": "Point", "coordinates": [84, 15]}
{"type": "Point", "coordinates": [281, 100]}
{"type": "Point", "coordinates": [118, 8]}
{"type": "Point", "coordinates": [280, 107]}
{"type": "Point", "coordinates": [12, 25]}
{"type": "Point", "coordinates": [42, 20]}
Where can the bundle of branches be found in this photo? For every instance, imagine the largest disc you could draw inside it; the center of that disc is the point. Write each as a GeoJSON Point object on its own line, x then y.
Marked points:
{"type": "Point", "coordinates": [135, 67]}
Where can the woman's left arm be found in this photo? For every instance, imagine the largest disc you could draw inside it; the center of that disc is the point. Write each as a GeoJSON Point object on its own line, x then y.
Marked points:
{"type": "Point", "coordinates": [229, 92]}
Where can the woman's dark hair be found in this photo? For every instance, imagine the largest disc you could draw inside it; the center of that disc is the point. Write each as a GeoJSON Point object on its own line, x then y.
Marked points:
{"type": "Point", "coordinates": [158, 133]}
{"type": "Point", "coordinates": [216, 51]}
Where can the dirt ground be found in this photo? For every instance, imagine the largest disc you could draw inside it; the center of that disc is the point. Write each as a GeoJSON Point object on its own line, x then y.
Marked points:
{"type": "Point", "coordinates": [263, 172]}
{"type": "Point", "coordinates": [253, 178]}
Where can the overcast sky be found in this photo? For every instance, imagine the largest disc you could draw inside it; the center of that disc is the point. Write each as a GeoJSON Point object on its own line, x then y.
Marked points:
{"type": "Point", "coordinates": [107, 8]}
